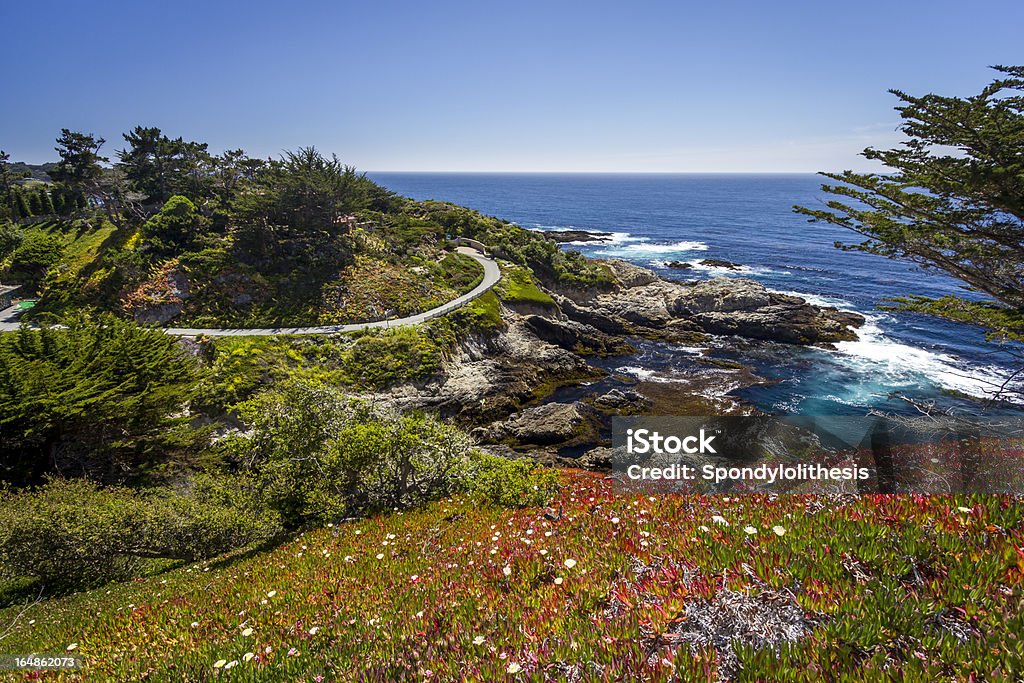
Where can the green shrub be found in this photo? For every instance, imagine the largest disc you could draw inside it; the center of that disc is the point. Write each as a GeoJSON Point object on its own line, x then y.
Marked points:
{"type": "Point", "coordinates": [320, 455]}
{"type": "Point", "coordinates": [512, 483]}
{"type": "Point", "coordinates": [517, 286]}
{"type": "Point", "coordinates": [74, 534]}
{"type": "Point", "coordinates": [34, 257]}
{"type": "Point", "coordinates": [383, 358]}
{"type": "Point", "coordinates": [11, 237]}
{"type": "Point", "coordinates": [482, 314]}
{"type": "Point", "coordinates": [99, 397]}
{"type": "Point", "coordinates": [458, 271]}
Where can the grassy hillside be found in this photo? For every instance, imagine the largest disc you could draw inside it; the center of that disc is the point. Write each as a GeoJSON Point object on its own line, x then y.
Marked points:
{"type": "Point", "coordinates": [602, 587]}
{"type": "Point", "coordinates": [203, 265]}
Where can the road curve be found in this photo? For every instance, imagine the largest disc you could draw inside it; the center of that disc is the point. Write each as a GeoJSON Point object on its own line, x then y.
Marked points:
{"type": "Point", "coordinates": [491, 276]}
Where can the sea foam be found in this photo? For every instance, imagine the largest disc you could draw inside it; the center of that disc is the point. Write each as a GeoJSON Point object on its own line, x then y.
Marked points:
{"type": "Point", "coordinates": [899, 365]}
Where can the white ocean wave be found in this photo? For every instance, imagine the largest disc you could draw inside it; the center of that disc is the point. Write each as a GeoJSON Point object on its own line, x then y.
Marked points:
{"type": "Point", "coordinates": [894, 365]}
{"type": "Point", "coordinates": [638, 249]}
{"type": "Point", "coordinates": [645, 374]}
{"type": "Point", "coordinates": [828, 301]}
{"type": "Point", "coordinates": [722, 271]}
{"type": "Point", "coordinates": [607, 238]}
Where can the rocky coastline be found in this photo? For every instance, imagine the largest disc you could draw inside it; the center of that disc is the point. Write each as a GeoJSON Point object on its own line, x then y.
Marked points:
{"type": "Point", "coordinates": [565, 236]}
{"type": "Point", "coordinates": [507, 387]}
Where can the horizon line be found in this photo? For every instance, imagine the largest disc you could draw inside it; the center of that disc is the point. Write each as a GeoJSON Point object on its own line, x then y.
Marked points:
{"type": "Point", "coordinates": [569, 172]}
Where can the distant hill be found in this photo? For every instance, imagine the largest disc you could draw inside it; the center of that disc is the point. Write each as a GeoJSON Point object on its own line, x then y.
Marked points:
{"type": "Point", "coordinates": [36, 171]}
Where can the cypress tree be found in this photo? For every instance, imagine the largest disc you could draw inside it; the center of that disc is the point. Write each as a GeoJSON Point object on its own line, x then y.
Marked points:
{"type": "Point", "coordinates": [21, 204]}
{"type": "Point", "coordinates": [46, 203]}
{"type": "Point", "coordinates": [35, 205]}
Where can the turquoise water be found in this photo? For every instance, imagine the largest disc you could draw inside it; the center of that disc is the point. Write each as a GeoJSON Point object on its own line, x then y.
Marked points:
{"type": "Point", "coordinates": [748, 219]}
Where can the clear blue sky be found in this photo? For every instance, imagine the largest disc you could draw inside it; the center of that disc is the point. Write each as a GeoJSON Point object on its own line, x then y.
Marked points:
{"type": "Point", "coordinates": [518, 86]}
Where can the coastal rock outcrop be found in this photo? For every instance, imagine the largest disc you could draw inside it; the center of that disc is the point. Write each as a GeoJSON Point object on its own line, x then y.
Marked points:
{"type": "Point", "coordinates": [547, 424]}
{"type": "Point", "coordinates": [748, 309]}
{"type": "Point", "coordinates": [491, 377]}
{"type": "Point", "coordinates": [720, 263]}
{"type": "Point", "coordinates": [576, 336]}
{"type": "Point", "coordinates": [647, 305]}
{"type": "Point", "coordinates": [563, 236]}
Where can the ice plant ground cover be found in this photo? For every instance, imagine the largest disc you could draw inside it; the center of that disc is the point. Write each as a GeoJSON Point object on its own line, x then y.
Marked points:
{"type": "Point", "coordinates": [597, 587]}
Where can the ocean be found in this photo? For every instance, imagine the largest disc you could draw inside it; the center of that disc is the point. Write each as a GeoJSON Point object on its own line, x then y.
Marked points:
{"type": "Point", "coordinates": [748, 220]}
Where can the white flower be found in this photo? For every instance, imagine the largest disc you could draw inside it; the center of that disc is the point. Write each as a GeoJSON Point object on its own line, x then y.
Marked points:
{"type": "Point", "coordinates": [479, 640]}
{"type": "Point", "coordinates": [268, 650]}
{"type": "Point", "coordinates": [704, 528]}
{"type": "Point", "coordinates": [195, 624]}
{"type": "Point", "coordinates": [750, 530]}
{"type": "Point", "coordinates": [313, 630]}
{"type": "Point", "coordinates": [271, 594]}
{"type": "Point", "coordinates": [558, 581]}
{"type": "Point", "coordinates": [507, 571]}
{"type": "Point", "coordinates": [547, 533]}
{"type": "Point", "coordinates": [380, 556]}
{"type": "Point", "coordinates": [615, 520]}
{"type": "Point", "coordinates": [232, 663]}
{"type": "Point", "coordinates": [247, 632]}
{"type": "Point", "coordinates": [219, 663]}
{"type": "Point", "coordinates": [543, 552]}
{"type": "Point", "coordinates": [514, 668]}
{"type": "Point", "coordinates": [963, 509]}
{"type": "Point", "coordinates": [779, 530]}
{"type": "Point", "coordinates": [247, 657]}
{"type": "Point", "coordinates": [72, 646]}
{"type": "Point", "coordinates": [570, 563]}
{"type": "Point", "coordinates": [719, 519]}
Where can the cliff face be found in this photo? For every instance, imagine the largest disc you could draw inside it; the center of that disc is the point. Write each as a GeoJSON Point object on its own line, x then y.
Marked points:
{"type": "Point", "coordinates": [498, 383]}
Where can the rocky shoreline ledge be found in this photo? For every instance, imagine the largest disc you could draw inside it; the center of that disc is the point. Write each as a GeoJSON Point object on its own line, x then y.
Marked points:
{"type": "Point", "coordinates": [501, 386]}
{"type": "Point", "coordinates": [564, 236]}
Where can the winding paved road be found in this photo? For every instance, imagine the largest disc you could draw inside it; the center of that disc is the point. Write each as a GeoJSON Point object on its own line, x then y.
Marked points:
{"type": "Point", "coordinates": [491, 276]}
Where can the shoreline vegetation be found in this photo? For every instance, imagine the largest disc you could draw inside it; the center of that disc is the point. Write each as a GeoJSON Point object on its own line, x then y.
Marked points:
{"type": "Point", "coordinates": [379, 505]}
